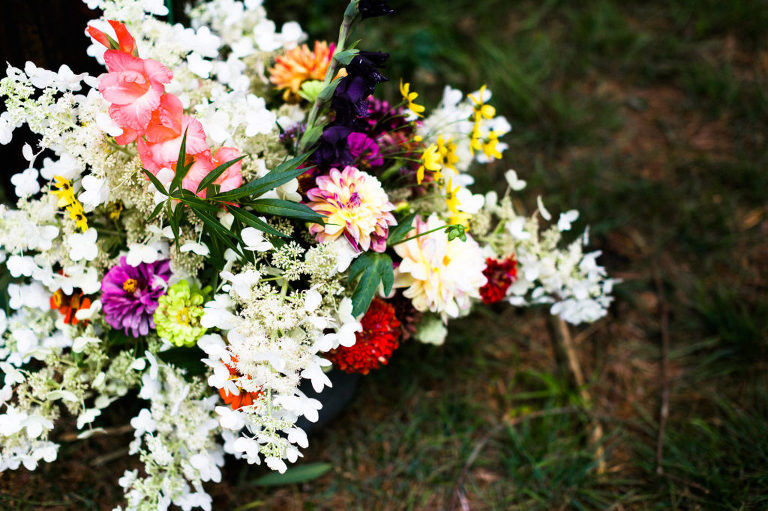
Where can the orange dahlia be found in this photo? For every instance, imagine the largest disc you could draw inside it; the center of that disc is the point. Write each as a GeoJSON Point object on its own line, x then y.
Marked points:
{"type": "Point", "coordinates": [299, 65]}
{"type": "Point", "coordinates": [375, 344]}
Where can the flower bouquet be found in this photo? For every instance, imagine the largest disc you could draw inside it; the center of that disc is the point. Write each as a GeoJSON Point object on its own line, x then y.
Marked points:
{"type": "Point", "coordinates": [228, 211]}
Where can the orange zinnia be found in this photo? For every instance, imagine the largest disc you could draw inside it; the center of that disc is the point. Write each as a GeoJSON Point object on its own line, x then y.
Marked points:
{"type": "Point", "coordinates": [241, 399]}
{"type": "Point", "coordinates": [69, 305]}
{"type": "Point", "coordinates": [299, 65]}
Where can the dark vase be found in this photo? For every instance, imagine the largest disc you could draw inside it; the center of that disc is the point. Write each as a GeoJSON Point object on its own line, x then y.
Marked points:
{"type": "Point", "coordinates": [334, 399]}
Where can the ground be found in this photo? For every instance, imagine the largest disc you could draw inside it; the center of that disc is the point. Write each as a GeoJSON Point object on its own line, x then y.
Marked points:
{"type": "Point", "coordinates": [650, 118]}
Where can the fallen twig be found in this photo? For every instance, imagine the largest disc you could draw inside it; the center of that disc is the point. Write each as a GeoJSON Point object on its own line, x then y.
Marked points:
{"type": "Point", "coordinates": [664, 409]}
{"type": "Point", "coordinates": [116, 430]}
{"type": "Point", "coordinates": [565, 346]}
{"type": "Point", "coordinates": [110, 456]}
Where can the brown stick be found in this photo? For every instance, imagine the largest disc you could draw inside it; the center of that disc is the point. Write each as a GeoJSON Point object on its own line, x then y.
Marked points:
{"type": "Point", "coordinates": [664, 409]}
{"type": "Point", "coordinates": [116, 430]}
{"type": "Point", "coordinates": [565, 347]}
{"type": "Point", "coordinates": [110, 456]}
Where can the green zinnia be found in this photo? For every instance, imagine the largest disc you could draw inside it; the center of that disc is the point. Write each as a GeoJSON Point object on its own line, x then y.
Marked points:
{"type": "Point", "coordinates": [177, 317]}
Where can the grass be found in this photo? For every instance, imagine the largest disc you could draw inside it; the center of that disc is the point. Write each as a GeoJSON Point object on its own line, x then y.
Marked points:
{"type": "Point", "coordinates": [649, 117]}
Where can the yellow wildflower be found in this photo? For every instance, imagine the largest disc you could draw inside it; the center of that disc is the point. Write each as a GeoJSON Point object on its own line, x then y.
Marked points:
{"type": "Point", "coordinates": [405, 90]}
{"type": "Point", "coordinates": [452, 201]}
{"type": "Point", "coordinates": [115, 210]}
{"type": "Point", "coordinates": [447, 150]}
{"type": "Point", "coordinates": [489, 147]}
{"type": "Point", "coordinates": [481, 110]}
{"type": "Point", "coordinates": [64, 192]}
{"type": "Point", "coordinates": [77, 214]}
{"type": "Point", "coordinates": [430, 160]}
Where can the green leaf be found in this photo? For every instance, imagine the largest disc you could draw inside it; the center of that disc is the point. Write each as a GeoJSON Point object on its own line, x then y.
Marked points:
{"type": "Point", "coordinates": [218, 231]}
{"type": "Point", "coordinates": [346, 56]}
{"type": "Point", "coordinates": [156, 211]}
{"type": "Point", "coordinates": [155, 182]}
{"type": "Point", "coordinates": [373, 269]}
{"type": "Point", "coordinates": [456, 231]}
{"type": "Point", "coordinates": [181, 164]}
{"type": "Point", "coordinates": [278, 176]}
{"type": "Point", "coordinates": [254, 221]}
{"type": "Point", "coordinates": [215, 173]}
{"type": "Point", "coordinates": [285, 208]}
{"type": "Point", "coordinates": [312, 134]}
{"type": "Point", "coordinates": [294, 475]}
{"type": "Point", "coordinates": [400, 231]}
{"type": "Point", "coordinates": [172, 220]}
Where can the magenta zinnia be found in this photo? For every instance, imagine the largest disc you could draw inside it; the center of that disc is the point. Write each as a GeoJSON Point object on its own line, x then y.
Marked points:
{"type": "Point", "coordinates": [355, 206]}
{"type": "Point", "coordinates": [129, 295]}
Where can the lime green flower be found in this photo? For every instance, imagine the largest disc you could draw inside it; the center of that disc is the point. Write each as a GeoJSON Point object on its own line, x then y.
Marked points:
{"type": "Point", "coordinates": [178, 314]}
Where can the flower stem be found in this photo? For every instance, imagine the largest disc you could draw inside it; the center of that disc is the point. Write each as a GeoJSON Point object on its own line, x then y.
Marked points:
{"type": "Point", "coordinates": [349, 17]}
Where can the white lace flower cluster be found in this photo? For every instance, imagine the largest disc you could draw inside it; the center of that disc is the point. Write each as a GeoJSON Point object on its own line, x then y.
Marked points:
{"type": "Point", "coordinates": [274, 338]}
{"type": "Point", "coordinates": [176, 437]}
{"type": "Point", "coordinates": [566, 277]}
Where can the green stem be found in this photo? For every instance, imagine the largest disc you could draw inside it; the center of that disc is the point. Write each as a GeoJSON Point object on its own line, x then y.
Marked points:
{"type": "Point", "coordinates": [424, 233]}
{"type": "Point", "coordinates": [349, 17]}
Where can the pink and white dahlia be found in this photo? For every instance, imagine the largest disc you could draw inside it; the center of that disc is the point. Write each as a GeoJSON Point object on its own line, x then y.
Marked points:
{"type": "Point", "coordinates": [355, 205]}
{"type": "Point", "coordinates": [441, 276]}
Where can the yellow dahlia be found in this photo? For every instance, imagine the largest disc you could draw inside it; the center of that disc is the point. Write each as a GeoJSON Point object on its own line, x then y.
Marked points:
{"type": "Point", "coordinates": [440, 276]}
{"type": "Point", "coordinates": [300, 65]}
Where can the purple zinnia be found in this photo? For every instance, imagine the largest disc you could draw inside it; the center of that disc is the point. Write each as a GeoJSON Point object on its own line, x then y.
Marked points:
{"type": "Point", "coordinates": [129, 295]}
{"type": "Point", "coordinates": [364, 150]}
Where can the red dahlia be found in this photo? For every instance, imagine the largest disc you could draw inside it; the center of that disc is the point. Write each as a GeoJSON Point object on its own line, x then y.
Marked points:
{"type": "Point", "coordinates": [375, 344]}
{"type": "Point", "coordinates": [500, 275]}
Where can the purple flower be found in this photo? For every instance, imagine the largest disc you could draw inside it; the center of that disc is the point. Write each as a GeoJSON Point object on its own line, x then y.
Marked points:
{"type": "Point", "coordinates": [129, 295]}
{"type": "Point", "coordinates": [364, 149]}
{"type": "Point", "coordinates": [350, 99]}
{"type": "Point", "coordinates": [333, 150]}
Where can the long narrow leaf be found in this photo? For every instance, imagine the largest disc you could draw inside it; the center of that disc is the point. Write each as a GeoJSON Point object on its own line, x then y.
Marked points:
{"type": "Point", "coordinates": [285, 208]}
{"type": "Point", "coordinates": [294, 475]}
{"type": "Point", "coordinates": [156, 211]}
{"type": "Point", "coordinates": [266, 183]}
{"type": "Point", "coordinates": [215, 173]}
{"type": "Point", "coordinates": [181, 164]}
{"type": "Point", "coordinates": [254, 221]}
{"type": "Point", "coordinates": [155, 182]}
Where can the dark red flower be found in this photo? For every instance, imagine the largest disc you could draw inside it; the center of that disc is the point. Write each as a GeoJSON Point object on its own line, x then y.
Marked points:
{"type": "Point", "coordinates": [500, 275]}
{"type": "Point", "coordinates": [375, 344]}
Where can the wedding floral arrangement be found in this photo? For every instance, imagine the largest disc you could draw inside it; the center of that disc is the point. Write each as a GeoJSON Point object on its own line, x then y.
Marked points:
{"type": "Point", "coordinates": [230, 210]}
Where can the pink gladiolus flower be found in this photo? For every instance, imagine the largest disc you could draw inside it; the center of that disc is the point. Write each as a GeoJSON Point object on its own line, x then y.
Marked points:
{"type": "Point", "coordinates": [134, 87]}
{"type": "Point", "coordinates": [204, 164]}
{"type": "Point", "coordinates": [125, 41]}
{"type": "Point", "coordinates": [160, 146]}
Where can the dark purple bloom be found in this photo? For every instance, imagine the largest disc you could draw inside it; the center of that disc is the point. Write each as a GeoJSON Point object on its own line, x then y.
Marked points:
{"type": "Point", "coordinates": [129, 295]}
{"type": "Point", "coordinates": [333, 149]}
{"type": "Point", "coordinates": [364, 149]}
{"type": "Point", "coordinates": [373, 8]}
{"type": "Point", "coordinates": [350, 99]}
